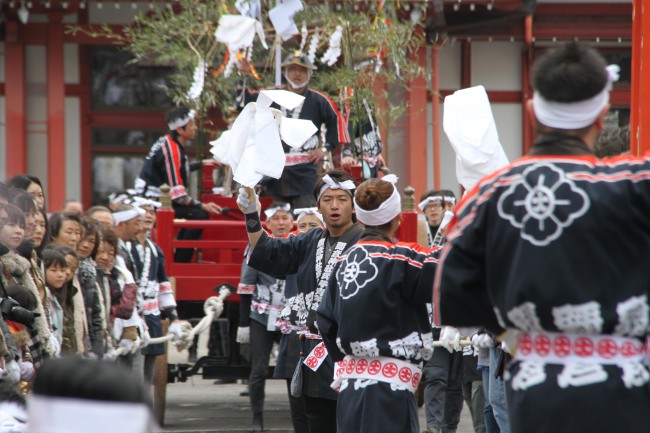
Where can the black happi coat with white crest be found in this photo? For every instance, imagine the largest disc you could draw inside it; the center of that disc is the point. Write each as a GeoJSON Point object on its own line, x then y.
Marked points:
{"type": "Point", "coordinates": [306, 256]}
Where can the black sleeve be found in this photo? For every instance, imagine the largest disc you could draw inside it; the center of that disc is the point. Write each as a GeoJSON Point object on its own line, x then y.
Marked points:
{"type": "Point", "coordinates": [195, 165]}
{"type": "Point", "coordinates": [245, 310]}
{"type": "Point", "coordinates": [278, 257]}
{"type": "Point", "coordinates": [325, 319]}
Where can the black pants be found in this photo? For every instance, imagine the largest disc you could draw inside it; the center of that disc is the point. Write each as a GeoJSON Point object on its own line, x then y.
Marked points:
{"type": "Point", "coordinates": [298, 415]}
{"type": "Point", "coordinates": [184, 255]}
{"type": "Point", "coordinates": [261, 346]}
{"type": "Point", "coordinates": [321, 413]}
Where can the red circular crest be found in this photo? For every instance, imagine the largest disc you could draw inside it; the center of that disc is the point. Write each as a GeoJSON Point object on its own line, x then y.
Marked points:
{"type": "Point", "coordinates": [562, 346]}
{"type": "Point", "coordinates": [607, 348]}
{"type": "Point", "coordinates": [629, 349]}
{"type": "Point", "coordinates": [525, 345]}
{"type": "Point", "coordinates": [350, 367]}
{"type": "Point", "coordinates": [340, 372]}
{"type": "Point", "coordinates": [362, 364]}
{"type": "Point", "coordinates": [390, 369]}
{"type": "Point", "coordinates": [319, 351]}
{"type": "Point", "coordinates": [311, 362]}
{"type": "Point", "coordinates": [542, 345]}
{"type": "Point", "coordinates": [342, 363]}
{"type": "Point", "coordinates": [374, 367]}
{"type": "Point", "coordinates": [405, 374]}
{"type": "Point", "coordinates": [416, 380]}
{"type": "Point", "coordinates": [584, 346]}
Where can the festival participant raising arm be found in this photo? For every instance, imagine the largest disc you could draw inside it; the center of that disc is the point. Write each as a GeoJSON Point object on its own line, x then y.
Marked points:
{"type": "Point", "coordinates": [374, 319]}
{"type": "Point", "coordinates": [311, 256]}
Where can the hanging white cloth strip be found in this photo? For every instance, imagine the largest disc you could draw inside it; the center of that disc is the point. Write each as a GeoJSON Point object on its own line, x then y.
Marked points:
{"type": "Point", "coordinates": [253, 146]}
{"type": "Point", "coordinates": [386, 212]}
{"type": "Point", "coordinates": [574, 115]}
{"type": "Point", "coordinates": [472, 132]}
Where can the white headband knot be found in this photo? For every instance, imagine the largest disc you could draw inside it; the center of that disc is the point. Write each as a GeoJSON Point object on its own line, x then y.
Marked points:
{"type": "Point", "coordinates": [386, 212]}
{"type": "Point", "coordinates": [179, 123]}
{"type": "Point", "coordinates": [141, 202]}
{"type": "Point", "coordinates": [303, 212]}
{"type": "Point", "coordinates": [574, 115]}
{"type": "Point", "coordinates": [330, 183]}
{"type": "Point", "coordinates": [275, 209]}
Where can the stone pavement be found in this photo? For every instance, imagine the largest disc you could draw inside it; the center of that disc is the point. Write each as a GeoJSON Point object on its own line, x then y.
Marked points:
{"type": "Point", "coordinates": [200, 406]}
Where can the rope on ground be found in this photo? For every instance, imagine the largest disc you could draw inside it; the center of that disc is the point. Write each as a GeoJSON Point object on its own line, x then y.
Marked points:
{"type": "Point", "coordinates": [180, 334]}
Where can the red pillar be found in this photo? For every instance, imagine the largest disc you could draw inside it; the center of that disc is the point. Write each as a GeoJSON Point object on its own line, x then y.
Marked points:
{"type": "Point", "coordinates": [435, 100]}
{"type": "Point", "coordinates": [16, 151]}
{"type": "Point", "coordinates": [416, 132]}
{"type": "Point", "coordinates": [528, 128]}
{"type": "Point", "coordinates": [639, 108]}
{"type": "Point", "coordinates": [56, 169]}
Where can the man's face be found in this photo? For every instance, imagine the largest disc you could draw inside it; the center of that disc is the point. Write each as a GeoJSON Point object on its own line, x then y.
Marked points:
{"type": "Point", "coordinates": [297, 74]}
{"type": "Point", "coordinates": [433, 212]}
{"type": "Point", "coordinates": [309, 222]}
{"type": "Point", "coordinates": [188, 131]}
{"type": "Point", "coordinates": [336, 207]}
{"type": "Point", "coordinates": [130, 229]}
{"type": "Point", "coordinates": [149, 219]}
{"type": "Point", "coordinates": [280, 224]}
{"type": "Point", "coordinates": [105, 218]}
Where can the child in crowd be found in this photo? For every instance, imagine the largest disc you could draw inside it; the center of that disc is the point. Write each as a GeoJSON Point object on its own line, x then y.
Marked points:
{"type": "Point", "coordinates": [75, 328]}
{"type": "Point", "coordinates": [56, 271]}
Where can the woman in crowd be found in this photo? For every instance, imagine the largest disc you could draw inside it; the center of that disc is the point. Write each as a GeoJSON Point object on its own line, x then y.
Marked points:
{"type": "Point", "coordinates": [30, 184]}
{"type": "Point", "coordinates": [16, 270]}
{"type": "Point", "coordinates": [65, 229]}
{"type": "Point", "coordinates": [87, 276]}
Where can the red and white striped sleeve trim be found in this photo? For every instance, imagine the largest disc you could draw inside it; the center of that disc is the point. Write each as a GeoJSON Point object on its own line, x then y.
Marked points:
{"type": "Point", "coordinates": [245, 289]}
{"type": "Point", "coordinates": [172, 158]}
{"type": "Point", "coordinates": [166, 287]}
{"type": "Point", "coordinates": [342, 130]}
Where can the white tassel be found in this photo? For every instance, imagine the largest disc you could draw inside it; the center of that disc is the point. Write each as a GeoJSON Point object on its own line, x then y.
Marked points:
{"type": "Point", "coordinates": [305, 35]}
{"type": "Point", "coordinates": [334, 51]}
{"type": "Point", "coordinates": [313, 45]}
{"type": "Point", "coordinates": [230, 65]}
{"type": "Point", "coordinates": [199, 80]}
{"type": "Point", "coordinates": [378, 64]}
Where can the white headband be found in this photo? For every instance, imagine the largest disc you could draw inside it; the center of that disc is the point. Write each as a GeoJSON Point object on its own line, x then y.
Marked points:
{"type": "Point", "coordinates": [275, 209]}
{"type": "Point", "coordinates": [71, 415]}
{"type": "Point", "coordinates": [141, 201]}
{"type": "Point", "coordinates": [330, 183]}
{"type": "Point", "coordinates": [128, 215]}
{"type": "Point", "coordinates": [303, 212]}
{"type": "Point", "coordinates": [574, 115]}
{"type": "Point", "coordinates": [386, 212]}
{"type": "Point", "coordinates": [424, 203]}
{"type": "Point", "coordinates": [179, 123]}
{"type": "Point", "coordinates": [115, 199]}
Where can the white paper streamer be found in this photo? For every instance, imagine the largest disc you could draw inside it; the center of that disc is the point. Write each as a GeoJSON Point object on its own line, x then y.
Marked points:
{"type": "Point", "coordinates": [313, 45]}
{"type": "Point", "coordinates": [199, 80]}
{"type": "Point", "coordinates": [334, 50]}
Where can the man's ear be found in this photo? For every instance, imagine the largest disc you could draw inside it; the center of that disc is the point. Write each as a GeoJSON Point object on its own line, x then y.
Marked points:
{"type": "Point", "coordinates": [600, 120]}
{"type": "Point", "coordinates": [530, 111]}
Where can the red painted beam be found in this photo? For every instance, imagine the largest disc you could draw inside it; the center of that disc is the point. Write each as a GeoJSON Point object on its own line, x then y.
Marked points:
{"type": "Point", "coordinates": [435, 113]}
{"type": "Point", "coordinates": [416, 132]}
{"type": "Point", "coordinates": [640, 92]}
{"type": "Point", "coordinates": [16, 153]}
{"type": "Point", "coordinates": [56, 168]}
